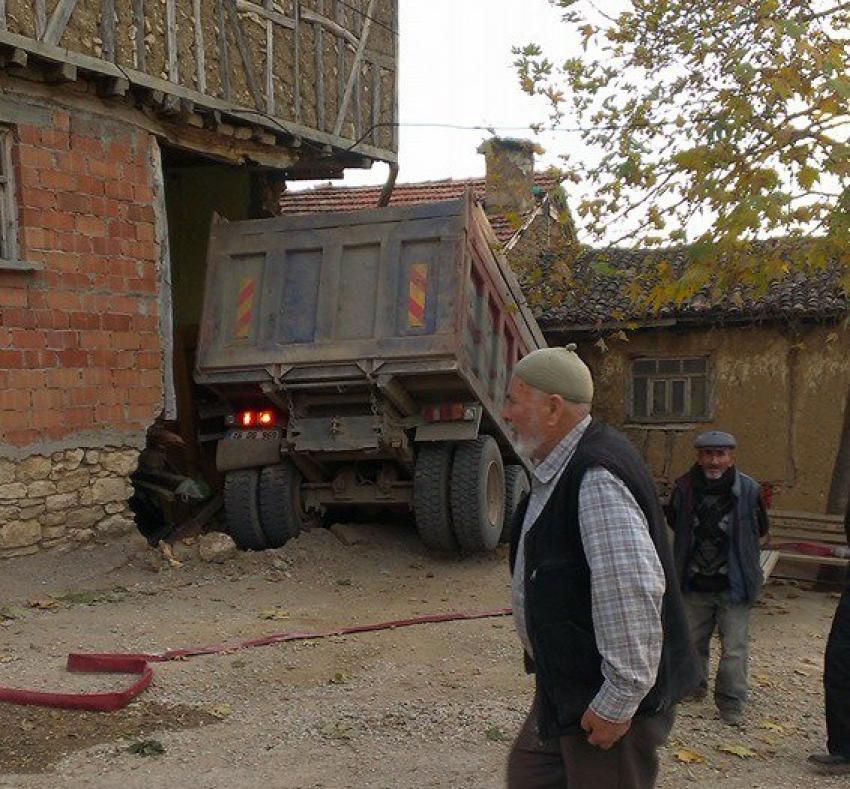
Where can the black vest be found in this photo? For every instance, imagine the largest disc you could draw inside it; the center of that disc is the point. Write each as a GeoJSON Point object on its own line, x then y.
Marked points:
{"type": "Point", "coordinates": [558, 592]}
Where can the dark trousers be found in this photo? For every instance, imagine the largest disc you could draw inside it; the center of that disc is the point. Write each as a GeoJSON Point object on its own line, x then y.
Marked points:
{"type": "Point", "coordinates": [571, 761]}
{"type": "Point", "coordinates": [836, 679]}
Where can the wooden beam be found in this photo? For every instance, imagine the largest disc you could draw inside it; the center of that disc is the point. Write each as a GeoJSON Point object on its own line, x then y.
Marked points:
{"type": "Point", "coordinates": [355, 68]}
{"type": "Point", "coordinates": [59, 21]}
{"type": "Point", "coordinates": [224, 52]}
{"type": "Point", "coordinates": [171, 40]}
{"type": "Point", "coordinates": [61, 72]}
{"type": "Point", "coordinates": [2, 14]}
{"type": "Point", "coordinates": [107, 29]}
{"type": "Point", "coordinates": [115, 86]}
{"type": "Point", "coordinates": [200, 55]}
{"type": "Point", "coordinates": [139, 24]}
{"type": "Point", "coordinates": [245, 53]}
{"type": "Point", "coordinates": [270, 99]}
{"type": "Point", "coordinates": [320, 68]}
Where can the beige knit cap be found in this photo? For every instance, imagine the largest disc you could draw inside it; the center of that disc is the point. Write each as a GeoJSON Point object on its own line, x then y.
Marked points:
{"type": "Point", "coordinates": [557, 371]}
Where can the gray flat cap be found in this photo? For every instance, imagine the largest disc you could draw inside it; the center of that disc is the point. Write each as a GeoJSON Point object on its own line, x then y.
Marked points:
{"type": "Point", "coordinates": [715, 439]}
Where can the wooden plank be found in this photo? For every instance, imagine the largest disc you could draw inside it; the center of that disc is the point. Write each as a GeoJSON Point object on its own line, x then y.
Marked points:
{"type": "Point", "coordinates": [270, 98]}
{"type": "Point", "coordinates": [817, 517]}
{"type": "Point", "coordinates": [768, 560]}
{"type": "Point", "coordinates": [320, 68]}
{"type": "Point", "coordinates": [107, 29]}
{"type": "Point", "coordinates": [224, 52]}
{"type": "Point", "coordinates": [355, 68]}
{"type": "Point", "coordinates": [2, 14]}
{"type": "Point", "coordinates": [200, 55]}
{"type": "Point", "coordinates": [139, 25]}
{"type": "Point", "coordinates": [59, 21]}
{"type": "Point", "coordinates": [40, 19]}
{"type": "Point", "coordinates": [171, 40]}
{"type": "Point", "coordinates": [245, 54]}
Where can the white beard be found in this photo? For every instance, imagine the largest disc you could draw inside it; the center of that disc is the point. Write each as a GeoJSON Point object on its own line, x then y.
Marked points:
{"type": "Point", "coordinates": [713, 473]}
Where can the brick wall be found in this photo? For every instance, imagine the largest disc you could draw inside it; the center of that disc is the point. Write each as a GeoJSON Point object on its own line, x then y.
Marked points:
{"type": "Point", "coordinates": [80, 351]}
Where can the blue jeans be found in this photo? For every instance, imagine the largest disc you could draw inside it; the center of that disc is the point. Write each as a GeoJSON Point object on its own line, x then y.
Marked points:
{"type": "Point", "coordinates": [707, 611]}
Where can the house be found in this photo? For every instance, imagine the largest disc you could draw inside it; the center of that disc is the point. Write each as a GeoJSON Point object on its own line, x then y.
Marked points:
{"type": "Point", "coordinates": [770, 367]}
{"type": "Point", "coordinates": [526, 208]}
{"type": "Point", "coordinates": [123, 128]}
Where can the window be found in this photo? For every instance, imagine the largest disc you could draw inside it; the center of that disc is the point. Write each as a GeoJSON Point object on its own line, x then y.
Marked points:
{"type": "Point", "coordinates": [670, 390]}
{"type": "Point", "coordinates": [10, 252]}
{"type": "Point", "coordinates": [8, 207]}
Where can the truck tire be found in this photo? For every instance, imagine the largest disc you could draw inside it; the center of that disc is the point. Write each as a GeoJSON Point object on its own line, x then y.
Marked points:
{"type": "Point", "coordinates": [280, 503]}
{"type": "Point", "coordinates": [517, 487]}
{"type": "Point", "coordinates": [478, 494]}
{"type": "Point", "coordinates": [432, 478]}
{"type": "Point", "coordinates": [241, 509]}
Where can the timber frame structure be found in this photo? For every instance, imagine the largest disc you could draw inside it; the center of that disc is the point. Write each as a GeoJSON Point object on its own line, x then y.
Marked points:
{"type": "Point", "coordinates": [307, 87]}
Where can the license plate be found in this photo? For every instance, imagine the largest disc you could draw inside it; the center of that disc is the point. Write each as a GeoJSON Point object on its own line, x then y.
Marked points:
{"type": "Point", "coordinates": [254, 435]}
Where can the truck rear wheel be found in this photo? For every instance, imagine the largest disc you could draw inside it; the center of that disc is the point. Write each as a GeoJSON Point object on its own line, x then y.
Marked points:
{"type": "Point", "coordinates": [241, 509]}
{"type": "Point", "coordinates": [432, 478]}
{"type": "Point", "coordinates": [516, 488]}
{"type": "Point", "coordinates": [280, 503]}
{"type": "Point", "coordinates": [478, 494]}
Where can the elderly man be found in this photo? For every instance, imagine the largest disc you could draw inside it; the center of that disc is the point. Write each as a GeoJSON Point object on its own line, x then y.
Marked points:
{"type": "Point", "coordinates": [719, 518]}
{"type": "Point", "coordinates": [596, 603]}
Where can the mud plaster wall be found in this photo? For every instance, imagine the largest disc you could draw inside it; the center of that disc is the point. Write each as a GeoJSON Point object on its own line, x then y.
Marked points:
{"type": "Point", "coordinates": [781, 391]}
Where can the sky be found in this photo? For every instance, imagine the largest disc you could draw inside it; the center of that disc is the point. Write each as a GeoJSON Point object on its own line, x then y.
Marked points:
{"type": "Point", "coordinates": [455, 68]}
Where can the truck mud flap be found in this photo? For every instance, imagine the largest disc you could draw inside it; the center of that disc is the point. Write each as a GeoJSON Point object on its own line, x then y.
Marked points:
{"type": "Point", "coordinates": [237, 453]}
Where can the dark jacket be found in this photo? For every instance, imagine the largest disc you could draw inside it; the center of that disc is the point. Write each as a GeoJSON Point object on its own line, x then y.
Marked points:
{"type": "Point", "coordinates": [749, 525]}
{"type": "Point", "coordinates": [558, 592]}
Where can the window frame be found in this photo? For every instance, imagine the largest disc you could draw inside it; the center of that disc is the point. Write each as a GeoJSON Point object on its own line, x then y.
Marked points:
{"type": "Point", "coordinates": [668, 378]}
{"type": "Point", "coordinates": [10, 242]}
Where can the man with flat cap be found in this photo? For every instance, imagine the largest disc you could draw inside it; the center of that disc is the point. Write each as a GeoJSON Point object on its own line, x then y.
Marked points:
{"type": "Point", "coordinates": [596, 603]}
{"type": "Point", "coordinates": [719, 520]}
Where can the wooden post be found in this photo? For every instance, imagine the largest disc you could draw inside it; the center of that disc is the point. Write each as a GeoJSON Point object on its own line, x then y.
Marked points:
{"type": "Point", "coordinates": [318, 32]}
{"type": "Point", "coordinates": [245, 53]}
{"type": "Point", "coordinates": [224, 52]}
{"type": "Point", "coordinates": [107, 29]}
{"type": "Point", "coordinates": [200, 55]}
{"type": "Point", "coordinates": [171, 40]}
{"type": "Point", "coordinates": [139, 24]}
{"type": "Point", "coordinates": [376, 102]}
{"type": "Point", "coordinates": [270, 98]}
{"type": "Point", "coordinates": [297, 75]}
{"type": "Point", "coordinates": [2, 14]}
{"type": "Point", "coordinates": [40, 19]}
{"type": "Point", "coordinates": [340, 63]}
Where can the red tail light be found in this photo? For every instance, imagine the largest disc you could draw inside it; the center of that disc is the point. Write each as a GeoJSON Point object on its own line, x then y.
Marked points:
{"type": "Point", "coordinates": [256, 419]}
{"type": "Point", "coordinates": [449, 412]}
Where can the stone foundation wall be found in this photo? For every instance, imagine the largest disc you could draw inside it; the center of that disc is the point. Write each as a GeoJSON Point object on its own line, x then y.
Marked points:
{"type": "Point", "coordinates": [69, 497]}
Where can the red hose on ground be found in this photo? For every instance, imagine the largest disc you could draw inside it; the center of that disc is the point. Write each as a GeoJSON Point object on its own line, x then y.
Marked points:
{"type": "Point", "coordinates": [129, 663]}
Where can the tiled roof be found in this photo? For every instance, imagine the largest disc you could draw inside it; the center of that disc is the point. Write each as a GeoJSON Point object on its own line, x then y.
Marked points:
{"type": "Point", "coordinates": [601, 280]}
{"type": "Point", "coordinates": [354, 198]}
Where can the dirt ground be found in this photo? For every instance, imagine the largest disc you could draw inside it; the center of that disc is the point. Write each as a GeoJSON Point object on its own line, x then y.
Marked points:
{"type": "Point", "coordinates": [430, 706]}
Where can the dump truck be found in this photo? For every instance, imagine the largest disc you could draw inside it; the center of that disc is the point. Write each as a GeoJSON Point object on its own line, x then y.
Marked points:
{"type": "Point", "coordinates": [364, 357]}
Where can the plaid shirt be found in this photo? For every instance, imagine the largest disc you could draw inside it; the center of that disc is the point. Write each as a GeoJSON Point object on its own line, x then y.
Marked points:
{"type": "Point", "coordinates": [627, 580]}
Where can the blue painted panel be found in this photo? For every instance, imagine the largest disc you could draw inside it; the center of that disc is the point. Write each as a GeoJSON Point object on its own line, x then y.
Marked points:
{"type": "Point", "coordinates": [299, 297]}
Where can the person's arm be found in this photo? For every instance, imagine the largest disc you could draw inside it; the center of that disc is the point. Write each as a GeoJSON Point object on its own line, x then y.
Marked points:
{"type": "Point", "coordinates": [761, 519]}
{"type": "Point", "coordinates": [627, 586]}
{"type": "Point", "coordinates": [671, 508]}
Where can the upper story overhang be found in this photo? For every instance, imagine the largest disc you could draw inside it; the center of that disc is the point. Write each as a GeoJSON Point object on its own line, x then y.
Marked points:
{"type": "Point", "coordinates": [314, 79]}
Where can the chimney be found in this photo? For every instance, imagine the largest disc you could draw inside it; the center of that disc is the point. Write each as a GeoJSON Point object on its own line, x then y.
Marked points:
{"type": "Point", "coordinates": [510, 174]}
